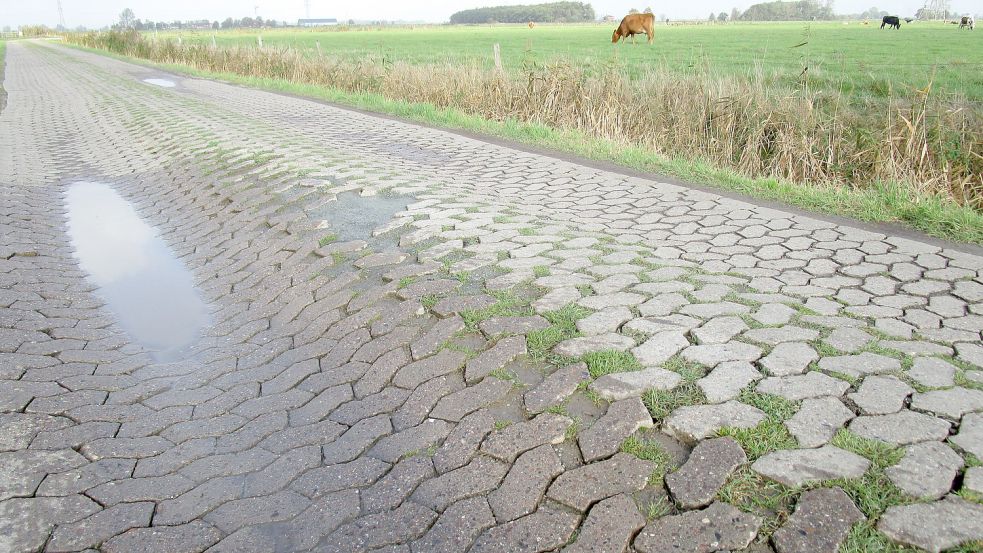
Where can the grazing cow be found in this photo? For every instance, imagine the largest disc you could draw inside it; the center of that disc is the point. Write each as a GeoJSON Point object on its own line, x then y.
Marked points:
{"type": "Point", "coordinates": [532, 24]}
{"type": "Point", "coordinates": [967, 21]}
{"type": "Point", "coordinates": [891, 21]}
{"type": "Point", "coordinates": [635, 24]}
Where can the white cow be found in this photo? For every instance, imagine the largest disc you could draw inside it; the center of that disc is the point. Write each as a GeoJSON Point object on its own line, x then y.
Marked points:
{"type": "Point", "coordinates": [967, 21]}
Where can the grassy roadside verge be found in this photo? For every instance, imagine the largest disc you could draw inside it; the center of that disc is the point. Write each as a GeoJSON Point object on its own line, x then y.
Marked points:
{"type": "Point", "coordinates": [884, 202]}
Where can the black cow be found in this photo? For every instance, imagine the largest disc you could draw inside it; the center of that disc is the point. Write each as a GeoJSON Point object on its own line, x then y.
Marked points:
{"type": "Point", "coordinates": [891, 21]}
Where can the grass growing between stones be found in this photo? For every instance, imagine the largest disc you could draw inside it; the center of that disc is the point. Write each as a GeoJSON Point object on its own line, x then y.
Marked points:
{"type": "Point", "coordinates": [563, 322]}
{"type": "Point", "coordinates": [509, 304]}
{"type": "Point", "coordinates": [649, 450]}
{"type": "Point", "coordinates": [752, 493]}
{"type": "Point", "coordinates": [769, 435]}
{"type": "Point", "coordinates": [600, 363]}
{"type": "Point", "coordinates": [661, 403]}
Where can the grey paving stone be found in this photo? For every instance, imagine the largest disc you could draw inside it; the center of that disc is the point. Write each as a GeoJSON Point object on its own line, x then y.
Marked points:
{"type": "Point", "coordinates": [718, 527]}
{"type": "Point", "coordinates": [727, 381]}
{"type": "Point", "coordinates": [617, 386]}
{"type": "Point", "coordinates": [693, 423]}
{"type": "Point", "coordinates": [191, 537]}
{"type": "Point", "coordinates": [390, 490]}
{"type": "Point", "coordinates": [952, 403]}
{"type": "Point", "coordinates": [448, 307]}
{"type": "Point", "coordinates": [576, 347]}
{"type": "Point", "coordinates": [85, 477]}
{"type": "Point", "coordinates": [609, 527]}
{"type": "Point", "coordinates": [417, 407]}
{"type": "Point", "coordinates": [507, 443]}
{"type": "Point", "coordinates": [881, 395]}
{"type": "Point", "coordinates": [660, 347]}
{"type": "Point", "coordinates": [413, 440]}
{"type": "Point", "coordinates": [418, 372]}
{"type": "Point", "coordinates": [604, 437]}
{"type": "Point", "coordinates": [556, 299]}
{"type": "Point", "coordinates": [719, 331]}
{"type": "Point", "coordinates": [478, 477]}
{"type": "Point", "coordinates": [916, 348]}
{"type": "Point", "coordinates": [821, 522]}
{"type": "Point", "coordinates": [433, 339]}
{"type": "Point", "coordinates": [463, 442]}
{"type": "Point", "coordinates": [545, 530]}
{"type": "Point", "coordinates": [605, 321]}
{"type": "Point", "coordinates": [848, 340]}
{"type": "Point", "coordinates": [524, 485]}
{"type": "Point", "coordinates": [927, 470]}
{"type": "Point", "coordinates": [902, 428]}
{"type": "Point", "coordinates": [455, 406]}
{"type": "Point", "coordinates": [580, 488]}
{"type": "Point", "coordinates": [973, 480]}
{"type": "Point", "coordinates": [798, 387]}
{"type": "Point", "coordinates": [970, 436]}
{"type": "Point", "coordinates": [238, 513]}
{"type": "Point", "coordinates": [711, 310]}
{"type": "Point", "coordinates": [386, 401]}
{"type": "Point", "coordinates": [860, 365]}
{"type": "Point", "coordinates": [512, 325]}
{"type": "Point", "coordinates": [556, 388]}
{"type": "Point", "coordinates": [356, 440]}
{"type": "Point", "coordinates": [710, 463]}
{"type": "Point", "coordinates": [494, 358]}
{"type": "Point", "coordinates": [25, 523]}
{"type": "Point", "coordinates": [712, 355]}
{"type": "Point", "coordinates": [970, 353]}
{"type": "Point", "coordinates": [796, 467]}
{"type": "Point", "coordinates": [402, 525]}
{"type": "Point", "coordinates": [933, 526]}
{"type": "Point", "coordinates": [457, 527]}
{"type": "Point", "coordinates": [774, 314]}
{"type": "Point", "coordinates": [779, 335]}
{"type": "Point", "coordinates": [789, 358]}
{"type": "Point", "coordinates": [818, 420]}
{"type": "Point", "coordinates": [380, 259]}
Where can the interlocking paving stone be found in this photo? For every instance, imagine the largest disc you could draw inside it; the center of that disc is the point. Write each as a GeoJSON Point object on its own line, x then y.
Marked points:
{"type": "Point", "coordinates": [507, 443]}
{"type": "Point", "coordinates": [556, 388]}
{"type": "Point", "coordinates": [193, 536]}
{"type": "Point", "coordinates": [524, 485]}
{"type": "Point", "coordinates": [448, 307]}
{"type": "Point", "coordinates": [605, 436]}
{"type": "Point", "coordinates": [390, 490]}
{"type": "Point", "coordinates": [727, 381]}
{"type": "Point", "coordinates": [604, 321]}
{"type": "Point", "coordinates": [660, 347]}
{"type": "Point", "coordinates": [545, 530]}
{"type": "Point", "coordinates": [952, 403]}
{"type": "Point", "coordinates": [418, 372]}
{"type": "Point", "coordinates": [712, 355]}
{"type": "Point", "coordinates": [795, 388]}
{"type": "Point", "coordinates": [710, 463]}
{"type": "Point", "coordinates": [433, 339]}
{"type": "Point", "coordinates": [512, 325]}
{"type": "Point", "coordinates": [25, 523]}
{"type": "Point", "coordinates": [973, 480]}
{"type": "Point", "coordinates": [933, 526]}
{"type": "Point", "coordinates": [817, 421]}
{"type": "Point", "coordinates": [457, 527]}
{"type": "Point", "coordinates": [609, 527]}
{"type": "Point", "coordinates": [860, 365]}
{"type": "Point", "coordinates": [970, 436]}
{"type": "Point", "coordinates": [927, 470]}
{"type": "Point", "coordinates": [418, 438]}
{"type": "Point", "coordinates": [881, 395]}
{"type": "Point", "coordinates": [718, 527]}
{"type": "Point", "coordinates": [821, 522]}
{"type": "Point", "coordinates": [789, 358]}
{"type": "Point", "coordinates": [480, 476]}
{"type": "Point", "coordinates": [693, 423]}
{"type": "Point", "coordinates": [402, 525]}
{"type": "Point", "coordinates": [581, 487]}
{"type": "Point", "coordinates": [902, 428]}
{"type": "Point", "coordinates": [463, 442]}
{"type": "Point", "coordinates": [616, 386]}
{"type": "Point", "coordinates": [494, 358]}
{"type": "Point", "coordinates": [576, 347]}
{"type": "Point", "coordinates": [795, 467]}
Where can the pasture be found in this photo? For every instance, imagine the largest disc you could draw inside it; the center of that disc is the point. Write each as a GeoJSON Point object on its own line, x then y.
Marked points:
{"type": "Point", "coordinates": [861, 61]}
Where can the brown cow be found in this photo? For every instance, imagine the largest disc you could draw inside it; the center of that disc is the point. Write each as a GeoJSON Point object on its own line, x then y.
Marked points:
{"type": "Point", "coordinates": [635, 24]}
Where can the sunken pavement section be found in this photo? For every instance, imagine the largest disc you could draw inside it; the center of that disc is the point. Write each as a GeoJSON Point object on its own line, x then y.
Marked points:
{"type": "Point", "coordinates": [533, 355]}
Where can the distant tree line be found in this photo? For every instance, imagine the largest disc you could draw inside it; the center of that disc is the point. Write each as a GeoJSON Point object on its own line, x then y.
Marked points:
{"type": "Point", "coordinates": [803, 10]}
{"type": "Point", "coordinates": [127, 20]}
{"type": "Point", "coordinates": [557, 12]}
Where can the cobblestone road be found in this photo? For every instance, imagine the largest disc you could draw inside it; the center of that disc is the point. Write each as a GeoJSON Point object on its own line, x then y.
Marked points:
{"type": "Point", "coordinates": [533, 355]}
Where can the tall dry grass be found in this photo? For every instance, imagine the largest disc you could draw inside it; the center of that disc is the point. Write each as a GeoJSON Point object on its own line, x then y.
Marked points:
{"type": "Point", "coordinates": [926, 140]}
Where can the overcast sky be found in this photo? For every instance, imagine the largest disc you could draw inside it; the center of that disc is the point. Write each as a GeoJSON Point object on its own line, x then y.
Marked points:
{"type": "Point", "coordinates": [96, 13]}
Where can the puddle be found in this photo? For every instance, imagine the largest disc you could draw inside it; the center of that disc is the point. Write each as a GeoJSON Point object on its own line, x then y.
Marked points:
{"type": "Point", "coordinates": [149, 290]}
{"type": "Point", "coordinates": [354, 217]}
{"type": "Point", "coordinates": [160, 82]}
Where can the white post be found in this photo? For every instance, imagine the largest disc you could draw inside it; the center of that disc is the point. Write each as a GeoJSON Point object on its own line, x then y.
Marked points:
{"type": "Point", "coordinates": [318, 44]}
{"type": "Point", "coordinates": [498, 56]}
{"type": "Point", "coordinates": [259, 40]}
{"type": "Point", "coordinates": [179, 41]}
{"type": "Point", "coordinates": [213, 41]}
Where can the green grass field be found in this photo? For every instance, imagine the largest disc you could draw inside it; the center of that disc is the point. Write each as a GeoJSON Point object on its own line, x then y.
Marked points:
{"type": "Point", "coordinates": [863, 61]}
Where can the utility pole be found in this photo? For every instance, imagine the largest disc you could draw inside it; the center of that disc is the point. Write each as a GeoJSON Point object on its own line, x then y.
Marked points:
{"type": "Point", "coordinates": [307, 9]}
{"type": "Point", "coordinates": [61, 16]}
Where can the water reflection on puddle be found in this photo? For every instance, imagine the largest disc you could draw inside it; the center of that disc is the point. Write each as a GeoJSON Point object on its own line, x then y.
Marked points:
{"type": "Point", "coordinates": [151, 292]}
{"type": "Point", "coordinates": [160, 82]}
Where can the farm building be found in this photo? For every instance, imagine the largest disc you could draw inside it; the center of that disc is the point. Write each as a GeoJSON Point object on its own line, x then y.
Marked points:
{"type": "Point", "coordinates": [316, 22]}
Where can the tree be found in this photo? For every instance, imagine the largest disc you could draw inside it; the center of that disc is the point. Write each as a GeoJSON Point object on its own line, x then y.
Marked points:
{"type": "Point", "coordinates": [722, 17]}
{"type": "Point", "coordinates": [633, 10]}
{"type": "Point", "coordinates": [126, 19]}
{"type": "Point", "coordinates": [735, 14]}
{"type": "Point", "coordinates": [648, 10]}
{"type": "Point", "coordinates": [712, 17]}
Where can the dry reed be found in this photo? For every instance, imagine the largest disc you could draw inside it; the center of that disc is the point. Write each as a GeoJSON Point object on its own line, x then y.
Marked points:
{"type": "Point", "coordinates": [930, 143]}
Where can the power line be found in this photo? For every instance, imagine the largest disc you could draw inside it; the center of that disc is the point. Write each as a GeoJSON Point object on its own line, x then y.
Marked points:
{"type": "Point", "coordinates": [61, 16]}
